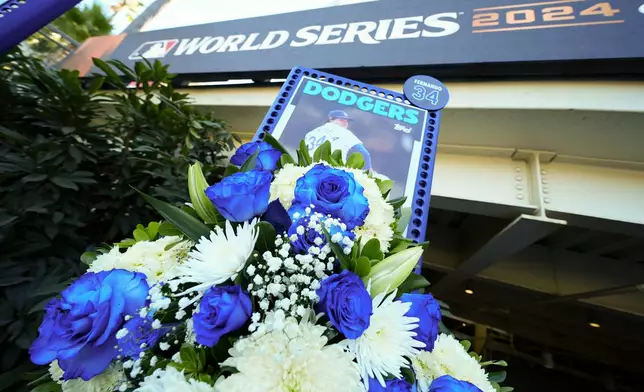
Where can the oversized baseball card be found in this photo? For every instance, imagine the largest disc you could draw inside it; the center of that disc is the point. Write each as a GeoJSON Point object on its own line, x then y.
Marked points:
{"type": "Point", "coordinates": [395, 137]}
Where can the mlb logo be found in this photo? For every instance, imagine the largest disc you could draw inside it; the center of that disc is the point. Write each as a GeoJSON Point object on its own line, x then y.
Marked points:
{"type": "Point", "coordinates": [153, 49]}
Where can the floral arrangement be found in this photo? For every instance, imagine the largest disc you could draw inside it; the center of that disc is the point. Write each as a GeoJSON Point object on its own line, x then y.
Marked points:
{"type": "Point", "coordinates": [283, 276]}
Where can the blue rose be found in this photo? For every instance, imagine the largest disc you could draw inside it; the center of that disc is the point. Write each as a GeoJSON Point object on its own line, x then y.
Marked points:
{"type": "Point", "coordinates": [79, 329]}
{"type": "Point", "coordinates": [346, 302]}
{"type": "Point", "coordinates": [309, 236]}
{"type": "Point", "coordinates": [335, 192]}
{"type": "Point", "coordinates": [450, 384]}
{"type": "Point", "coordinates": [395, 385]}
{"type": "Point", "coordinates": [223, 309]}
{"type": "Point", "coordinates": [267, 157]}
{"type": "Point", "coordinates": [428, 311]}
{"type": "Point", "coordinates": [241, 196]}
{"type": "Point", "coordinates": [140, 332]}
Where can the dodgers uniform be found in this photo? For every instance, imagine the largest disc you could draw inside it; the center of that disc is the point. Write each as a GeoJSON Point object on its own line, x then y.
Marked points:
{"type": "Point", "coordinates": [341, 139]}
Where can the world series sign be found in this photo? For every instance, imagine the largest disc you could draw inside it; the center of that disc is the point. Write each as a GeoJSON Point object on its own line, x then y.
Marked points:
{"type": "Point", "coordinates": [400, 33]}
{"type": "Point", "coordinates": [395, 137]}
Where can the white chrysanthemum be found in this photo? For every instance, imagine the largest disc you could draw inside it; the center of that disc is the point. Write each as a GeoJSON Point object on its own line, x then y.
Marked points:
{"type": "Point", "coordinates": [110, 380]}
{"type": "Point", "coordinates": [170, 380]}
{"type": "Point", "coordinates": [381, 214]}
{"type": "Point", "coordinates": [218, 258]}
{"type": "Point", "coordinates": [56, 372]}
{"type": "Point", "coordinates": [148, 257]}
{"type": "Point", "coordinates": [283, 186]}
{"type": "Point", "coordinates": [449, 357]}
{"type": "Point", "coordinates": [383, 347]}
{"type": "Point", "coordinates": [290, 357]}
{"type": "Point", "coordinates": [378, 222]}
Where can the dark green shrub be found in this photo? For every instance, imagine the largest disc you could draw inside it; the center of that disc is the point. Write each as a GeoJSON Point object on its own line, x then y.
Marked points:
{"type": "Point", "coordinates": [69, 155]}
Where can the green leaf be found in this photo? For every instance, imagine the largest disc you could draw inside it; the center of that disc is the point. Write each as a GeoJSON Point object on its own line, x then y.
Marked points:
{"type": "Point", "coordinates": [51, 386]}
{"type": "Point", "coordinates": [6, 219]}
{"type": "Point", "coordinates": [355, 249]}
{"type": "Point", "coordinates": [126, 243]}
{"type": "Point", "coordinates": [362, 266]}
{"type": "Point", "coordinates": [167, 229]}
{"type": "Point", "coordinates": [323, 152]}
{"type": "Point", "coordinates": [497, 377]}
{"type": "Point", "coordinates": [112, 76]}
{"type": "Point", "coordinates": [75, 153]}
{"type": "Point", "coordinates": [64, 183]}
{"type": "Point", "coordinates": [265, 238]}
{"type": "Point", "coordinates": [413, 282]}
{"type": "Point", "coordinates": [95, 84]}
{"type": "Point", "coordinates": [34, 178]}
{"type": "Point", "coordinates": [141, 235]}
{"type": "Point", "coordinates": [10, 134]}
{"type": "Point", "coordinates": [345, 261]}
{"type": "Point", "coordinates": [385, 187]}
{"type": "Point", "coordinates": [337, 157]}
{"type": "Point", "coordinates": [506, 389]}
{"type": "Point", "coordinates": [153, 230]}
{"type": "Point", "coordinates": [250, 162]}
{"type": "Point", "coordinates": [189, 225]}
{"type": "Point", "coordinates": [286, 159]}
{"type": "Point", "coordinates": [405, 216]}
{"type": "Point", "coordinates": [268, 138]}
{"type": "Point", "coordinates": [466, 344]}
{"type": "Point", "coordinates": [303, 156]}
{"type": "Point", "coordinates": [88, 257]}
{"type": "Point", "coordinates": [398, 202]}
{"type": "Point", "coordinates": [408, 374]}
{"type": "Point", "coordinates": [230, 170]}
{"type": "Point", "coordinates": [57, 217]}
{"type": "Point", "coordinates": [14, 280]}
{"type": "Point", "coordinates": [191, 359]}
{"type": "Point", "coordinates": [399, 245]}
{"type": "Point", "coordinates": [372, 250]}
{"type": "Point", "coordinates": [202, 205]}
{"type": "Point", "coordinates": [355, 161]}
{"type": "Point", "coordinates": [494, 363]}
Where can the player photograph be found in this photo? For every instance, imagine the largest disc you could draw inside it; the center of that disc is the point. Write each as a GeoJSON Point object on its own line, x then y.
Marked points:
{"type": "Point", "coordinates": [386, 133]}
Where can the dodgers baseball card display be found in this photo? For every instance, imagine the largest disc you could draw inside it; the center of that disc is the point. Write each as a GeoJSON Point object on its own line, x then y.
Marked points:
{"type": "Point", "coordinates": [394, 133]}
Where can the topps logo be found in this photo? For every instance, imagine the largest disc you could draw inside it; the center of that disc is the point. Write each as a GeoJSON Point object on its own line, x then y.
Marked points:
{"type": "Point", "coordinates": [366, 33]}
{"type": "Point", "coordinates": [154, 49]}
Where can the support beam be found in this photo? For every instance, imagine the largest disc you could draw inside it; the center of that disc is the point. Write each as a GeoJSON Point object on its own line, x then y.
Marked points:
{"type": "Point", "coordinates": [547, 332]}
{"type": "Point", "coordinates": [518, 235]}
{"type": "Point", "coordinates": [585, 295]}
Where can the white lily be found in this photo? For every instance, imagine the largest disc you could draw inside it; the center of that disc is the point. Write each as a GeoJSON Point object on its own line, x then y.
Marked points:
{"type": "Point", "coordinates": [390, 272]}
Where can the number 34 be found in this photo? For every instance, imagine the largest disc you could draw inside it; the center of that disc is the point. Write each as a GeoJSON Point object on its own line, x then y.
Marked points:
{"type": "Point", "coordinates": [422, 94]}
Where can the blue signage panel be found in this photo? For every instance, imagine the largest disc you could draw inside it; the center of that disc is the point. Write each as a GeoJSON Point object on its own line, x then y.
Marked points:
{"type": "Point", "coordinates": [410, 33]}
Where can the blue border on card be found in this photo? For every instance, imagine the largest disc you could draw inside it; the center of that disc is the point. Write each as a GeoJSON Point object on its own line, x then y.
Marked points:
{"type": "Point", "coordinates": [420, 199]}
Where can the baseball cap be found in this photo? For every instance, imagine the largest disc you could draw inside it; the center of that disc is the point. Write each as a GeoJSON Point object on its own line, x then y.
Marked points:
{"type": "Point", "coordinates": [339, 114]}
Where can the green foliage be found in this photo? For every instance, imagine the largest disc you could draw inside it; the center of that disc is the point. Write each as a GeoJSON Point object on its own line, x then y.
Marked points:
{"type": "Point", "coordinates": [69, 155]}
{"type": "Point", "coordinates": [265, 238]}
{"type": "Point", "coordinates": [79, 23]}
